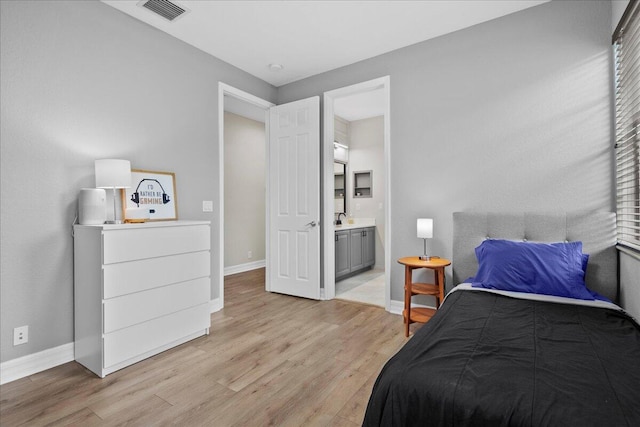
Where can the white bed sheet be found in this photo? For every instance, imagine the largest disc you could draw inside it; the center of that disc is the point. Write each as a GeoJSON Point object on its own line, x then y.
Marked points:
{"type": "Point", "coordinates": [540, 297]}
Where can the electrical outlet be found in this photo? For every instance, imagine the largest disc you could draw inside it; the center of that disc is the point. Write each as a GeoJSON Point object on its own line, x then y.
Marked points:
{"type": "Point", "coordinates": [207, 206]}
{"type": "Point", "coordinates": [21, 335]}
{"type": "Point", "coordinates": [249, 254]}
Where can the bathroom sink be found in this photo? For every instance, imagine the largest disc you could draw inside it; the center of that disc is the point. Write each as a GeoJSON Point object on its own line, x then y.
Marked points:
{"type": "Point", "coordinates": [358, 223]}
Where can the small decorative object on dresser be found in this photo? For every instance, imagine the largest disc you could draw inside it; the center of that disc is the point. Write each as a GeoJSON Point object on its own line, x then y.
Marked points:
{"type": "Point", "coordinates": [136, 215]}
{"type": "Point", "coordinates": [154, 192]}
{"type": "Point", "coordinates": [114, 174]}
{"type": "Point", "coordinates": [92, 206]}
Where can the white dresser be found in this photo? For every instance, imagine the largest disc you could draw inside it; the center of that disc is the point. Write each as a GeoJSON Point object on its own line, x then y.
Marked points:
{"type": "Point", "coordinates": [139, 289]}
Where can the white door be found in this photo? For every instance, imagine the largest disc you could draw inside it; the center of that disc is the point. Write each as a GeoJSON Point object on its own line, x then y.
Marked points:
{"type": "Point", "coordinates": [294, 202]}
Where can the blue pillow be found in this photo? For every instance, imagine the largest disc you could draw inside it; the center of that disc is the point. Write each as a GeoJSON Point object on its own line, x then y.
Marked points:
{"type": "Point", "coordinates": [541, 268]}
{"type": "Point", "coordinates": [585, 262]}
{"type": "Point", "coordinates": [594, 294]}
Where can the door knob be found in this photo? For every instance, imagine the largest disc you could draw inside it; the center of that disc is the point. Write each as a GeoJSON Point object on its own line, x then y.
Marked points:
{"type": "Point", "coordinates": [312, 224]}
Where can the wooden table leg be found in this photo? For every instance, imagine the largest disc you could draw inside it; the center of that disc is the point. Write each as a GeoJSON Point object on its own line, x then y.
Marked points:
{"type": "Point", "coordinates": [407, 299]}
{"type": "Point", "coordinates": [440, 279]}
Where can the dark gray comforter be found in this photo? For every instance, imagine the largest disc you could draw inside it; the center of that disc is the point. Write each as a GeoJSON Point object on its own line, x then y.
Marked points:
{"type": "Point", "coordinates": [486, 359]}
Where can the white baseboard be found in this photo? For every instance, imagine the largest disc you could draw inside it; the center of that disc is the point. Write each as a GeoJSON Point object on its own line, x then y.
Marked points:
{"type": "Point", "coordinates": [241, 268]}
{"type": "Point", "coordinates": [30, 364]}
{"type": "Point", "coordinates": [396, 307]}
{"type": "Point", "coordinates": [216, 305]}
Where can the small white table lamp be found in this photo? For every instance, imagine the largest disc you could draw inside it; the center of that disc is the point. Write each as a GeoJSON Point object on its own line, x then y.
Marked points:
{"type": "Point", "coordinates": [114, 174]}
{"type": "Point", "coordinates": [425, 231]}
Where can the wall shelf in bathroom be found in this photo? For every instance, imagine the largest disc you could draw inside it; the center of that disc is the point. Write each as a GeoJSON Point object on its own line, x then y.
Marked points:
{"type": "Point", "coordinates": [363, 184]}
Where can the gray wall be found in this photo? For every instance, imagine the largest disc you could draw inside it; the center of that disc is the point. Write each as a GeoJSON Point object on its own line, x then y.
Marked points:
{"type": "Point", "coordinates": [513, 114]}
{"type": "Point", "coordinates": [244, 190]}
{"type": "Point", "coordinates": [80, 81]}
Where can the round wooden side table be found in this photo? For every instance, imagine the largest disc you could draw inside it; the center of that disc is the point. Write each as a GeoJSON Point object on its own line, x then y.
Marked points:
{"type": "Point", "coordinates": [421, 314]}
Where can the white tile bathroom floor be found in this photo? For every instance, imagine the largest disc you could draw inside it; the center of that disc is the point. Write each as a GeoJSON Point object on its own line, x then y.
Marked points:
{"type": "Point", "coordinates": [366, 287]}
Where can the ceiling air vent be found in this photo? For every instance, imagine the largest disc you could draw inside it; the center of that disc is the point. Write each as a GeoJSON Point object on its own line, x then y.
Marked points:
{"type": "Point", "coordinates": [168, 10]}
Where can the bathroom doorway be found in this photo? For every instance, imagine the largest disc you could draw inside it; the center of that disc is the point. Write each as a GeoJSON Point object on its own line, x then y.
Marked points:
{"type": "Point", "coordinates": [356, 146]}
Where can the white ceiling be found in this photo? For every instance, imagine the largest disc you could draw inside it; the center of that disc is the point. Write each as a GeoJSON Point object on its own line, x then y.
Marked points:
{"type": "Point", "coordinates": [360, 106]}
{"type": "Point", "coordinates": [310, 37]}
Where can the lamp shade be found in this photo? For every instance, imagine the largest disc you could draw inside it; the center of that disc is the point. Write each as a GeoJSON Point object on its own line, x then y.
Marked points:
{"type": "Point", "coordinates": [113, 173]}
{"type": "Point", "coordinates": [425, 228]}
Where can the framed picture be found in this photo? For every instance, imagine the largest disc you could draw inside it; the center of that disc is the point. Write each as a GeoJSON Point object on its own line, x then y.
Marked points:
{"type": "Point", "coordinates": [152, 195]}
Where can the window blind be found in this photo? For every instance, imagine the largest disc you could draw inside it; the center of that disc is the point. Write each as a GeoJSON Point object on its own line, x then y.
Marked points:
{"type": "Point", "coordinates": [626, 42]}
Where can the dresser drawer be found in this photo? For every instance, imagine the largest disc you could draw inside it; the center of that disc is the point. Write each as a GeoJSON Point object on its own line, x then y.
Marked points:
{"type": "Point", "coordinates": [122, 245]}
{"type": "Point", "coordinates": [132, 309]}
{"type": "Point", "coordinates": [130, 342]}
{"type": "Point", "coordinates": [134, 276]}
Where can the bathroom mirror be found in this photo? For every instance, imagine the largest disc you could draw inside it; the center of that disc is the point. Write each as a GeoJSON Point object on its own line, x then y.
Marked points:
{"type": "Point", "coordinates": [340, 187]}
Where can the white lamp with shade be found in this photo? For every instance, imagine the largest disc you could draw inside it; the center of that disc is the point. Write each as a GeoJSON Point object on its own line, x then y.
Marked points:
{"type": "Point", "coordinates": [114, 174]}
{"type": "Point", "coordinates": [425, 231]}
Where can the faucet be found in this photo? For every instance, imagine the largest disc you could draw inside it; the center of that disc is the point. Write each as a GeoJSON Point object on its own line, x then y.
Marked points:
{"type": "Point", "coordinates": [338, 222]}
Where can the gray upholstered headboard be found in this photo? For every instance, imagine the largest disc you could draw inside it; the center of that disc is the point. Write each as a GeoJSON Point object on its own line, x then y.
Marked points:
{"type": "Point", "coordinates": [596, 230]}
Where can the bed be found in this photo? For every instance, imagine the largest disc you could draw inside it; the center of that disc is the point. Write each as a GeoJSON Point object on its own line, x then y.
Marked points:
{"type": "Point", "coordinates": [503, 357]}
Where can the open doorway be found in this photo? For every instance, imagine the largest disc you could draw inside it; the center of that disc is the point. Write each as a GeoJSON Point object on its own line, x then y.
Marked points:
{"type": "Point", "coordinates": [243, 136]}
{"type": "Point", "coordinates": [244, 186]}
{"type": "Point", "coordinates": [356, 196]}
{"type": "Point", "coordinates": [359, 201]}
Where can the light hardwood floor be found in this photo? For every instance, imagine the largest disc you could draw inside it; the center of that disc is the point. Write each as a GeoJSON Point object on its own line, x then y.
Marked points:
{"type": "Point", "coordinates": [269, 360]}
